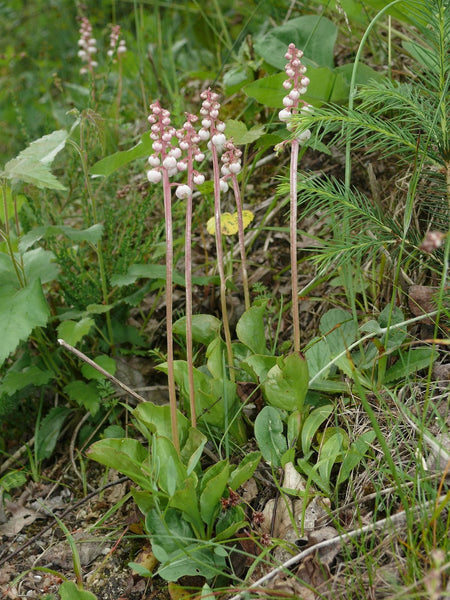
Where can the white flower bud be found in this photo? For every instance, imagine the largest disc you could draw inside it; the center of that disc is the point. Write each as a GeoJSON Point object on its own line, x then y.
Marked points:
{"type": "Point", "coordinates": [175, 152]}
{"type": "Point", "coordinates": [170, 162]}
{"type": "Point", "coordinates": [218, 139]}
{"type": "Point", "coordinates": [154, 161]}
{"type": "Point", "coordinates": [206, 123]}
{"type": "Point", "coordinates": [181, 165]}
{"type": "Point", "coordinates": [199, 157]}
{"type": "Point", "coordinates": [214, 114]}
{"type": "Point", "coordinates": [223, 185]}
{"type": "Point", "coordinates": [199, 179]}
{"type": "Point", "coordinates": [287, 84]}
{"type": "Point", "coordinates": [154, 176]}
{"type": "Point", "coordinates": [203, 134]}
{"type": "Point", "coordinates": [220, 126]}
{"type": "Point", "coordinates": [234, 167]}
{"type": "Point", "coordinates": [183, 191]}
{"type": "Point", "coordinates": [304, 136]}
{"type": "Point", "coordinates": [157, 146]}
{"type": "Point", "coordinates": [284, 115]}
{"type": "Point", "coordinates": [287, 101]}
{"type": "Point", "coordinates": [225, 170]}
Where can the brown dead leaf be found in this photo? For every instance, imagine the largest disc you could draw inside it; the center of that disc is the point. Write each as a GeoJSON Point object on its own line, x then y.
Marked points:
{"type": "Point", "coordinates": [421, 301]}
{"type": "Point", "coordinates": [21, 516]}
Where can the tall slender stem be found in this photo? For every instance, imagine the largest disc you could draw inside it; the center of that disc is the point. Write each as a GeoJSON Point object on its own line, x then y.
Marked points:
{"type": "Point", "coordinates": [237, 194]}
{"type": "Point", "coordinates": [188, 275]}
{"type": "Point", "coordinates": [220, 261]}
{"type": "Point", "coordinates": [169, 315]}
{"type": "Point", "coordinates": [293, 243]}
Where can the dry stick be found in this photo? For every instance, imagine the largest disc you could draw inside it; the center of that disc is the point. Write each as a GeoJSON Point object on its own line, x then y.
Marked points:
{"type": "Point", "coordinates": [64, 514]}
{"type": "Point", "coordinates": [94, 365]}
{"type": "Point", "coordinates": [395, 520]}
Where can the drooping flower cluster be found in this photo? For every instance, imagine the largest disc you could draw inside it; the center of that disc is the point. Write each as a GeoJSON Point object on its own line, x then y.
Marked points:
{"type": "Point", "coordinates": [168, 156]}
{"type": "Point", "coordinates": [212, 127]}
{"type": "Point", "coordinates": [88, 47]}
{"type": "Point", "coordinates": [297, 84]}
{"type": "Point", "coordinates": [231, 159]}
{"type": "Point", "coordinates": [116, 45]}
{"type": "Point", "coordinates": [189, 140]}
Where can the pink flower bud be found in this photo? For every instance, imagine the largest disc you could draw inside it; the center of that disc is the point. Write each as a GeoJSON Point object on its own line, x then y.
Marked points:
{"type": "Point", "coordinates": [157, 146]}
{"type": "Point", "coordinates": [287, 84]}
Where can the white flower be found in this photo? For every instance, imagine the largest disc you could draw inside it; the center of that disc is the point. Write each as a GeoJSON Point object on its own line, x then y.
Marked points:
{"type": "Point", "coordinates": [154, 176]}
{"type": "Point", "coordinates": [203, 134]}
{"type": "Point", "coordinates": [199, 157]}
{"type": "Point", "coordinates": [218, 139]}
{"type": "Point", "coordinates": [206, 123]}
{"type": "Point", "coordinates": [225, 170]}
{"type": "Point", "coordinates": [199, 179]}
{"type": "Point", "coordinates": [235, 167]}
{"type": "Point", "coordinates": [284, 115]}
{"type": "Point", "coordinates": [154, 161]}
{"type": "Point", "coordinates": [223, 185]}
{"type": "Point", "coordinates": [157, 146]}
{"type": "Point", "coordinates": [170, 162]}
{"type": "Point", "coordinates": [182, 166]}
{"type": "Point", "coordinates": [220, 126]}
{"type": "Point", "coordinates": [175, 152]}
{"type": "Point", "coordinates": [304, 136]}
{"type": "Point", "coordinates": [287, 101]}
{"type": "Point", "coordinates": [183, 192]}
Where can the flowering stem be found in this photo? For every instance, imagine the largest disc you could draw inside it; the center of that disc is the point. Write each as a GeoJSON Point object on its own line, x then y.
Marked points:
{"type": "Point", "coordinates": [293, 243]}
{"type": "Point", "coordinates": [188, 275]}
{"type": "Point", "coordinates": [169, 330]}
{"type": "Point", "coordinates": [237, 194]}
{"type": "Point", "coordinates": [220, 260]}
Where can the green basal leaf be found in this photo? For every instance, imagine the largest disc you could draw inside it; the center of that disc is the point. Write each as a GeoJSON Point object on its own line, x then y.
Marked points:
{"type": "Point", "coordinates": [69, 591]}
{"type": "Point", "coordinates": [73, 332]}
{"type": "Point", "coordinates": [49, 431]}
{"type": "Point", "coordinates": [14, 381]}
{"type": "Point", "coordinates": [238, 132]}
{"type": "Point", "coordinates": [12, 479]}
{"type": "Point", "coordinates": [312, 424]}
{"type": "Point", "coordinates": [20, 312]}
{"type": "Point", "coordinates": [330, 453]}
{"type": "Point", "coordinates": [212, 492]}
{"type": "Point", "coordinates": [287, 383]}
{"type": "Point", "coordinates": [124, 455]}
{"type": "Point", "coordinates": [193, 448]}
{"type": "Point", "coordinates": [157, 420]}
{"type": "Point", "coordinates": [92, 234]}
{"type": "Point", "coordinates": [186, 501]}
{"type": "Point", "coordinates": [244, 470]}
{"type": "Point", "coordinates": [108, 165]}
{"type": "Point", "coordinates": [172, 472]}
{"type": "Point", "coordinates": [409, 363]}
{"type": "Point", "coordinates": [311, 473]}
{"type": "Point", "coordinates": [204, 328]}
{"type": "Point", "coordinates": [250, 329]}
{"type": "Point", "coordinates": [106, 362]}
{"type": "Point", "coordinates": [229, 522]}
{"type": "Point", "coordinates": [84, 394]}
{"type": "Point", "coordinates": [269, 435]}
{"type": "Point", "coordinates": [32, 165]}
{"type": "Point", "coordinates": [354, 455]}
{"type": "Point", "coordinates": [258, 365]}
{"type": "Point", "coordinates": [314, 35]}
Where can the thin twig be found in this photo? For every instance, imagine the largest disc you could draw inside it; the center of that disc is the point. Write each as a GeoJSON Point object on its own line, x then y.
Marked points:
{"type": "Point", "coordinates": [394, 520]}
{"type": "Point", "coordinates": [95, 366]}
